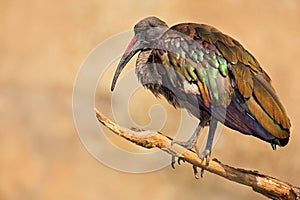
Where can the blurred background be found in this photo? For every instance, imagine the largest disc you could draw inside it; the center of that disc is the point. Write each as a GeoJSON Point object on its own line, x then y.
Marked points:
{"type": "Point", "coordinates": [43, 44]}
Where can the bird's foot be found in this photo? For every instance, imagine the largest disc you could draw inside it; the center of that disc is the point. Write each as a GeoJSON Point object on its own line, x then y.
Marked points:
{"type": "Point", "coordinates": [181, 159]}
{"type": "Point", "coordinates": [196, 172]}
{"type": "Point", "coordinates": [178, 161]}
{"type": "Point", "coordinates": [190, 144]}
{"type": "Point", "coordinates": [205, 155]}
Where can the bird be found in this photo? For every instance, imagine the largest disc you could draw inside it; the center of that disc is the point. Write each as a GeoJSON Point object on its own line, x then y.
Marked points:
{"type": "Point", "coordinates": [210, 74]}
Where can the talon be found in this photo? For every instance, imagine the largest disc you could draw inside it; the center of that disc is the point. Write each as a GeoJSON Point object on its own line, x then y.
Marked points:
{"type": "Point", "coordinates": [180, 159]}
{"type": "Point", "coordinates": [202, 172]}
{"type": "Point", "coordinates": [173, 162]}
{"type": "Point", "coordinates": [196, 172]}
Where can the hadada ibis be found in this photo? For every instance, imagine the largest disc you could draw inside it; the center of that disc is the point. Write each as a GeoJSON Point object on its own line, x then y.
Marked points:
{"type": "Point", "coordinates": [211, 75]}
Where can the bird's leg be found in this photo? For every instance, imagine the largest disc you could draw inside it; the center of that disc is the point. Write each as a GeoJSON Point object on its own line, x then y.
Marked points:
{"type": "Point", "coordinates": [211, 133]}
{"type": "Point", "coordinates": [207, 151]}
{"type": "Point", "coordinates": [192, 141]}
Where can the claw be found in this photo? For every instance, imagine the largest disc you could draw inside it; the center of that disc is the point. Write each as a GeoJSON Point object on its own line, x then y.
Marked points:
{"type": "Point", "coordinates": [178, 161]}
{"type": "Point", "coordinates": [202, 172]}
{"type": "Point", "coordinates": [173, 162]}
{"type": "Point", "coordinates": [196, 172]}
{"type": "Point", "coordinates": [204, 155]}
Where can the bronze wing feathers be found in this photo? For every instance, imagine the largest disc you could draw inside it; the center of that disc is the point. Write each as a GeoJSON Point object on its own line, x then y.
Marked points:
{"type": "Point", "coordinates": [251, 81]}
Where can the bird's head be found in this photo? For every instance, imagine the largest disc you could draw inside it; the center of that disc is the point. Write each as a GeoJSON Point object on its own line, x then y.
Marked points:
{"type": "Point", "coordinates": [146, 33]}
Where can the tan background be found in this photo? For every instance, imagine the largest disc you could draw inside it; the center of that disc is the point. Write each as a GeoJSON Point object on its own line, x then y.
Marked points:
{"type": "Point", "coordinates": [43, 43]}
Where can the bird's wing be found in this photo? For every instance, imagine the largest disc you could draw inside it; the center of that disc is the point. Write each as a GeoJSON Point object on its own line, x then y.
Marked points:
{"type": "Point", "coordinates": [197, 62]}
{"type": "Point", "coordinates": [213, 55]}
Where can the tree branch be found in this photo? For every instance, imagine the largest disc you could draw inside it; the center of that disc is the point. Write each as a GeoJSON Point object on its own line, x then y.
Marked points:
{"type": "Point", "coordinates": [263, 184]}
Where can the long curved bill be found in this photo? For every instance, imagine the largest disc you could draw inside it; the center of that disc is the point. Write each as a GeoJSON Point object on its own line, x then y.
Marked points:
{"type": "Point", "coordinates": [131, 50]}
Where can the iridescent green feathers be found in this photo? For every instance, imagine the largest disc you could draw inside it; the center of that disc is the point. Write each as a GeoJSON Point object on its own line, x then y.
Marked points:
{"type": "Point", "coordinates": [204, 54]}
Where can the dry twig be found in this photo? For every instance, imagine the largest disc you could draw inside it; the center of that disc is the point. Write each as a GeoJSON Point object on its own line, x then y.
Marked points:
{"type": "Point", "coordinates": [264, 184]}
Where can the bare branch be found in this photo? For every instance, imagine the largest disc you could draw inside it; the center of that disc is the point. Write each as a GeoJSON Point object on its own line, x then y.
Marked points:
{"type": "Point", "coordinates": [264, 184]}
